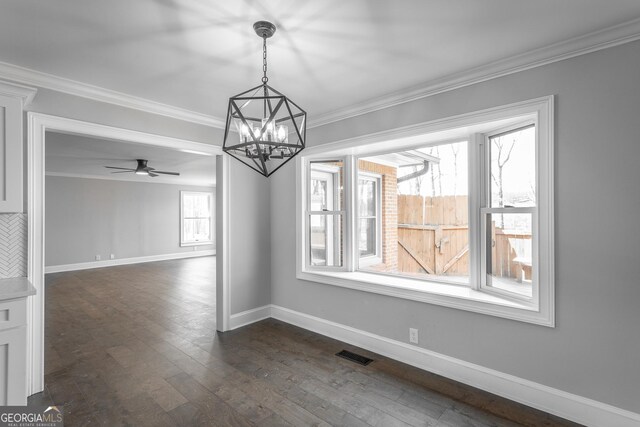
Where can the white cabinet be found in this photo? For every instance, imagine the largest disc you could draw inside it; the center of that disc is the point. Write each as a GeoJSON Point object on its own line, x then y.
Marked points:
{"type": "Point", "coordinates": [13, 340]}
{"type": "Point", "coordinates": [13, 99]}
{"type": "Point", "coordinates": [13, 347]}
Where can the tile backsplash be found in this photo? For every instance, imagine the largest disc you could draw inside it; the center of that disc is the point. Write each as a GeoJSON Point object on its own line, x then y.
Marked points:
{"type": "Point", "coordinates": [13, 245]}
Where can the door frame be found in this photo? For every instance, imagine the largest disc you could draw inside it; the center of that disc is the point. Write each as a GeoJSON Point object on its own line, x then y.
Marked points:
{"type": "Point", "coordinates": [37, 126]}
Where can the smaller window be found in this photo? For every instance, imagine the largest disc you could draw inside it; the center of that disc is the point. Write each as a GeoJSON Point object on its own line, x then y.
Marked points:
{"type": "Point", "coordinates": [325, 214]}
{"type": "Point", "coordinates": [196, 218]}
{"type": "Point", "coordinates": [509, 266]}
{"type": "Point", "coordinates": [369, 223]}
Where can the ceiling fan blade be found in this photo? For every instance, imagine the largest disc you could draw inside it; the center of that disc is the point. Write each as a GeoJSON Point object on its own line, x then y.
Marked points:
{"type": "Point", "coordinates": [149, 169]}
{"type": "Point", "coordinates": [152, 174]}
{"type": "Point", "coordinates": [123, 172]}
{"type": "Point", "coordinates": [167, 173]}
{"type": "Point", "coordinates": [126, 169]}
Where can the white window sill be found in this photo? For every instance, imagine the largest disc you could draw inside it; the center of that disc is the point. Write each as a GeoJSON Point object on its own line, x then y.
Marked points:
{"type": "Point", "coordinates": [203, 243]}
{"type": "Point", "coordinates": [448, 295]}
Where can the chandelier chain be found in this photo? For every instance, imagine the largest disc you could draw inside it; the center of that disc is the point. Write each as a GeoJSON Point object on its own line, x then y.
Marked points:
{"type": "Point", "coordinates": [264, 59]}
{"type": "Point", "coordinates": [265, 140]}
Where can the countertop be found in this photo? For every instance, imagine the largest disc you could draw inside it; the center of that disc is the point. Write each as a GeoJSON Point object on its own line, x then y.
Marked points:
{"type": "Point", "coordinates": [18, 287]}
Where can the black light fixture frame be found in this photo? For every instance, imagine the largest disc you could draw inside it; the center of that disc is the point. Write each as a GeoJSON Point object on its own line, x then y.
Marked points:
{"type": "Point", "coordinates": [258, 150]}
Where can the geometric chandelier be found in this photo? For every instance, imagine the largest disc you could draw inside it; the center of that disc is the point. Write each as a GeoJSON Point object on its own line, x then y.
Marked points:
{"type": "Point", "coordinates": [264, 128]}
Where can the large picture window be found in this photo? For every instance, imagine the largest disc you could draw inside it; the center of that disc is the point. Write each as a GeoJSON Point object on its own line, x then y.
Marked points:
{"type": "Point", "coordinates": [196, 218]}
{"type": "Point", "coordinates": [463, 219]}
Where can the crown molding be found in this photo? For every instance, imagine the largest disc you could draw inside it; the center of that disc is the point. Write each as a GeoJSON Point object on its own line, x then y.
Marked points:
{"type": "Point", "coordinates": [26, 93]}
{"type": "Point", "coordinates": [591, 42]}
{"type": "Point", "coordinates": [28, 76]}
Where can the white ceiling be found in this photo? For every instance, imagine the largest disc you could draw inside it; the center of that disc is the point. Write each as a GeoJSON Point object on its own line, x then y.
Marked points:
{"type": "Point", "coordinates": [326, 54]}
{"type": "Point", "coordinates": [72, 155]}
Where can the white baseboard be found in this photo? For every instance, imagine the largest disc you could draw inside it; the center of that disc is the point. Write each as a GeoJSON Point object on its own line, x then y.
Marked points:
{"type": "Point", "coordinates": [250, 316]}
{"type": "Point", "coordinates": [566, 405]}
{"type": "Point", "coordinates": [124, 261]}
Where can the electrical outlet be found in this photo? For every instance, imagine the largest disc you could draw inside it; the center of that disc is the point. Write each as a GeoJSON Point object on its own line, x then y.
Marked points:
{"type": "Point", "coordinates": [112, 256]}
{"type": "Point", "coordinates": [98, 258]}
{"type": "Point", "coordinates": [413, 336]}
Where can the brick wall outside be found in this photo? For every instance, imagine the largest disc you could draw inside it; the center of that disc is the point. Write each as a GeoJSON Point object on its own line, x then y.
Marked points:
{"type": "Point", "coordinates": [389, 212]}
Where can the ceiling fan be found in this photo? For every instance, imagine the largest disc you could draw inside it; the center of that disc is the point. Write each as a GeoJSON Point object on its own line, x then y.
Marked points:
{"type": "Point", "coordinates": [142, 169]}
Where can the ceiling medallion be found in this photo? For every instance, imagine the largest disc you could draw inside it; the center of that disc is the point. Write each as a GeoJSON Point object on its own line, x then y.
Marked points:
{"type": "Point", "coordinates": [264, 128]}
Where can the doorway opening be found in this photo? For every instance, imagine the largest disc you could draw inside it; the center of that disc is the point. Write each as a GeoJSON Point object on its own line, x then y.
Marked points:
{"type": "Point", "coordinates": [90, 143]}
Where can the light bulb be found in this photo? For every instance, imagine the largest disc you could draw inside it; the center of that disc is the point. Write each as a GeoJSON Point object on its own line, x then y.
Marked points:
{"type": "Point", "coordinates": [244, 132]}
{"type": "Point", "coordinates": [282, 133]}
{"type": "Point", "coordinates": [269, 129]}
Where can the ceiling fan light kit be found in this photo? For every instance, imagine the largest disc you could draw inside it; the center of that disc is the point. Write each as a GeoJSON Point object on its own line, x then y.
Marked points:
{"type": "Point", "coordinates": [264, 128]}
{"type": "Point", "coordinates": [142, 169]}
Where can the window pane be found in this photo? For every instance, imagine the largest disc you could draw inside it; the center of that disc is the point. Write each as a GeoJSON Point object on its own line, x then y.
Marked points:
{"type": "Point", "coordinates": [509, 252]}
{"type": "Point", "coordinates": [513, 168]}
{"type": "Point", "coordinates": [196, 205]}
{"type": "Point", "coordinates": [318, 194]}
{"type": "Point", "coordinates": [201, 206]}
{"type": "Point", "coordinates": [424, 224]}
{"type": "Point", "coordinates": [326, 189]}
{"type": "Point", "coordinates": [325, 240]}
{"type": "Point", "coordinates": [197, 230]}
{"type": "Point", "coordinates": [187, 205]}
{"type": "Point", "coordinates": [367, 237]}
{"type": "Point", "coordinates": [367, 197]}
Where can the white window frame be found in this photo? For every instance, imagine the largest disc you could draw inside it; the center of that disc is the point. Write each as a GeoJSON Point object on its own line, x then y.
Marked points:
{"type": "Point", "coordinates": [182, 218]}
{"type": "Point", "coordinates": [376, 257]}
{"type": "Point", "coordinates": [486, 209]}
{"type": "Point", "coordinates": [473, 127]}
{"type": "Point", "coordinates": [339, 213]}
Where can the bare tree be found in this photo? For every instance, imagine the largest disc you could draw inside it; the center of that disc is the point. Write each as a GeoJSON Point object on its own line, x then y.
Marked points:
{"type": "Point", "coordinates": [504, 153]}
{"type": "Point", "coordinates": [439, 172]}
{"type": "Point", "coordinates": [433, 175]}
{"type": "Point", "coordinates": [455, 149]}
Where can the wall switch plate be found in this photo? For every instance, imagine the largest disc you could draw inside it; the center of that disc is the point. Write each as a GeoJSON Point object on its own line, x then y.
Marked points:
{"type": "Point", "coordinates": [97, 257]}
{"type": "Point", "coordinates": [112, 256]}
{"type": "Point", "coordinates": [413, 336]}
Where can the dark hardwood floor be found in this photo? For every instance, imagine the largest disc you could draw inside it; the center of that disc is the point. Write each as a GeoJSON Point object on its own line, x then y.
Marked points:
{"type": "Point", "coordinates": [136, 345]}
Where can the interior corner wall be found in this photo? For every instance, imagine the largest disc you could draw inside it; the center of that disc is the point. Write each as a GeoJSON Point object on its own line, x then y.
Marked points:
{"type": "Point", "coordinates": [593, 350]}
{"type": "Point", "coordinates": [89, 217]}
{"type": "Point", "coordinates": [250, 238]}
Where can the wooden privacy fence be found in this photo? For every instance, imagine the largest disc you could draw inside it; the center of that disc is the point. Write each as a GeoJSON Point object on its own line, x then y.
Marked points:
{"type": "Point", "coordinates": [433, 249]}
{"type": "Point", "coordinates": [433, 238]}
{"type": "Point", "coordinates": [446, 210]}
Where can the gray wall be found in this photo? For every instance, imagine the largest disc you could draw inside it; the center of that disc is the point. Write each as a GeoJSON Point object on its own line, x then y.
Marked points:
{"type": "Point", "coordinates": [250, 238]}
{"type": "Point", "coordinates": [595, 349]}
{"type": "Point", "coordinates": [64, 105]}
{"type": "Point", "coordinates": [86, 217]}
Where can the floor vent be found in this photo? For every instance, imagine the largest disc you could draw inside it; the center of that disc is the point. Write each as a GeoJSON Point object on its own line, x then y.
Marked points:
{"type": "Point", "coordinates": [354, 357]}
